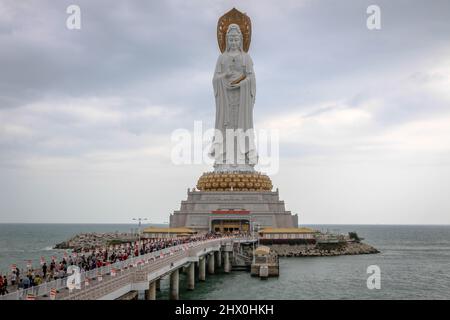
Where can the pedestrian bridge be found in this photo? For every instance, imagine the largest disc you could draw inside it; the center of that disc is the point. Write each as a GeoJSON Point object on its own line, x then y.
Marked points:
{"type": "Point", "coordinates": [141, 273]}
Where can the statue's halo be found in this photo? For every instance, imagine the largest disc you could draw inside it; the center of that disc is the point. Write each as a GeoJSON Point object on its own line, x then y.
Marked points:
{"type": "Point", "coordinates": [239, 18]}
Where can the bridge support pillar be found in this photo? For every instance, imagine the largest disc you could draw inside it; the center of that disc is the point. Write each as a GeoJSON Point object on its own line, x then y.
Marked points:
{"type": "Point", "coordinates": [191, 276]}
{"type": "Point", "coordinates": [218, 258]}
{"type": "Point", "coordinates": [151, 292]}
{"type": "Point", "coordinates": [226, 266]}
{"type": "Point", "coordinates": [211, 263]}
{"type": "Point", "coordinates": [201, 269]}
{"type": "Point", "coordinates": [174, 283]}
{"type": "Point", "coordinates": [158, 285]}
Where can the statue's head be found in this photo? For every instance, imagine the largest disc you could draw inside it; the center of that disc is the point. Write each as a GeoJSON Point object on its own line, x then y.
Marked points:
{"type": "Point", "coordinates": [234, 37]}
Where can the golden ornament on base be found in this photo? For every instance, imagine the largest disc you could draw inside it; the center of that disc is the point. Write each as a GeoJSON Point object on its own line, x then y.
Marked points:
{"type": "Point", "coordinates": [216, 181]}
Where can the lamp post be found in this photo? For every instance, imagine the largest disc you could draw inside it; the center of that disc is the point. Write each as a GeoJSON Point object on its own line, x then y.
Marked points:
{"type": "Point", "coordinates": [139, 233]}
{"type": "Point", "coordinates": [168, 229]}
{"type": "Point", "coordinates": [255, 226]}
{"type": "Point", "coordinates": [257, 232]}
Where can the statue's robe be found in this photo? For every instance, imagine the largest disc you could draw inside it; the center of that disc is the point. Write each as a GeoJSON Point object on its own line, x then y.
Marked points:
{"type": "Point", "coordinates": [246, 102]}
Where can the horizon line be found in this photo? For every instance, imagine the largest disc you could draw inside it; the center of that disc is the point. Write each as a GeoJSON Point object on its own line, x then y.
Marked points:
{"type": "Point", "coordinates": [161, 223]}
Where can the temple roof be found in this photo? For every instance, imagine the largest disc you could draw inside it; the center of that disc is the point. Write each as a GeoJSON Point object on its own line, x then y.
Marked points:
{"type": "Point", "coordinates": [287, 230]}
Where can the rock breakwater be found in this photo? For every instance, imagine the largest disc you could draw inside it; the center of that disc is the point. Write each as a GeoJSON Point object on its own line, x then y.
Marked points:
{"type": "Point", "coordinates": [298, 250]}
{"type": "Point", "coordinates": [87, 241]}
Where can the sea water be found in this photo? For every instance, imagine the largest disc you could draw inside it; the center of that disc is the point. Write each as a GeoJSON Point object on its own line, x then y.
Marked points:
{"type": "Point", "coordinates": [414, 264]}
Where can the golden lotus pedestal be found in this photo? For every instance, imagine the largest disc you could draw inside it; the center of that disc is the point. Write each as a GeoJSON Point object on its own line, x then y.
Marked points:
{"type": "Point", "coordinates": [234, 181]}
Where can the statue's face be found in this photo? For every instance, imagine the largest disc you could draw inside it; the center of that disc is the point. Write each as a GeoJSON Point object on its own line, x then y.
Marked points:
{"type": "Point", "coordinates": [234, 42]}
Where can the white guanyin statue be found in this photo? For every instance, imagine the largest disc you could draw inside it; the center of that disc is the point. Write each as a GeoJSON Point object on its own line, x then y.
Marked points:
{"type": "Point", "coordinates": [234, 85]}
{"type": "Point", "coordinates": [233, 146]}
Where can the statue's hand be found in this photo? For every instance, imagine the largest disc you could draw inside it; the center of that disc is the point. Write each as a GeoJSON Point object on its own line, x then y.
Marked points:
{"type": "Point", "coordinates": [241, 78]}
{"type": "Point", "coordinates": [237, 82]}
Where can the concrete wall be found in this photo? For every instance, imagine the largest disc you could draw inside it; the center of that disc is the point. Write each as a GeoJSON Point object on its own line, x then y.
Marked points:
{"type": "Point", "coordinates": [265, 209]}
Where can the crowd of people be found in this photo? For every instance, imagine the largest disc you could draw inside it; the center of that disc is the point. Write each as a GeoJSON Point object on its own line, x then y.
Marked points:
{"type": "Point", "coordinates": [88, 260]}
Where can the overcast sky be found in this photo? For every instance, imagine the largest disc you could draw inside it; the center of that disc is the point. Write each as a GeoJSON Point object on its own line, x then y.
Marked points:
{"type": "Point", "coordinates": [86, 115]}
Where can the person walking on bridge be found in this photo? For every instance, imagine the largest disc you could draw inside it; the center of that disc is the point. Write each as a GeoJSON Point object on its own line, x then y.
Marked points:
{"type": "Point", "coordinates": [5, 285]}
{"type": "Point", "coordinates": [44, 270]}
{"type": "Point", "coordinates": [13, 278]}
{"type": "Point", "coordinates": [26, 282]}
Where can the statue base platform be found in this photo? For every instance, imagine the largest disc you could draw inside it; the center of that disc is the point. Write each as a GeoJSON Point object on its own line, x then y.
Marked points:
{"type": "Point", "coordinates": [233, 201]}
{"type": "Point", "coordinates": [230, 168]}
{"type": "Point", "coordinates": [233, 211]}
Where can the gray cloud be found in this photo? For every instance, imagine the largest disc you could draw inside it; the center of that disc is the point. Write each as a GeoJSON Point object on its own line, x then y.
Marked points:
{"type": "Point", "coordinates": [106, 98]}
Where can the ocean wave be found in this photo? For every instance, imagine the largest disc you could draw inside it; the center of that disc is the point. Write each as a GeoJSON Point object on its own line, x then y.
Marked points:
{"type": "Point", "coordinates": [47, 248]}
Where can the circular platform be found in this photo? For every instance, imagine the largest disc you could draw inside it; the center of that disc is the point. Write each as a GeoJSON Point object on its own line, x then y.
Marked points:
{"type": "Point", "coordinates": [234, 181]}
